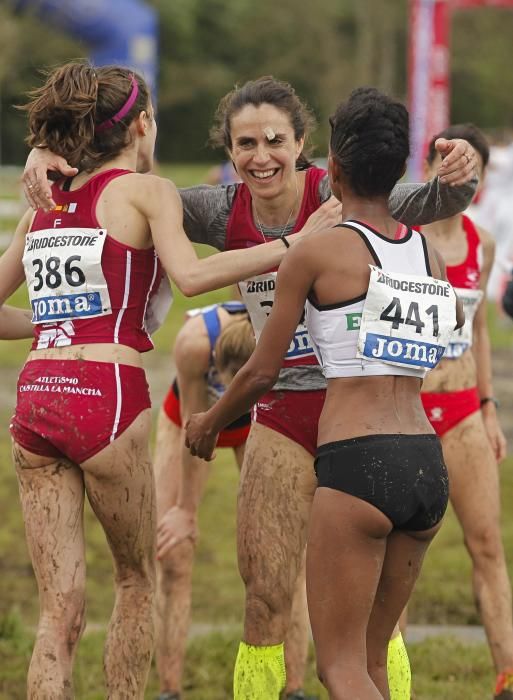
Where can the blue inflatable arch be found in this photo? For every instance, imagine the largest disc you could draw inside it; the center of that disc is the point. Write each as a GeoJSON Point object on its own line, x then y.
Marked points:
{"type": "Point", "coordinates": [116, 31]}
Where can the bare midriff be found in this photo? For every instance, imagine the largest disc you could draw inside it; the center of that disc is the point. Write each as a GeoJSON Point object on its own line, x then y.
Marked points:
{"type": "Point", "coordinates": [381, 405]}
{"type": "Point", "coordinates": [95, 352]}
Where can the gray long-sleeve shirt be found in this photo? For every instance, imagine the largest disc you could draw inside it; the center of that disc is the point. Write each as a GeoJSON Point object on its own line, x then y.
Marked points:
{"type": "Point", "coordinates": [207, 209]}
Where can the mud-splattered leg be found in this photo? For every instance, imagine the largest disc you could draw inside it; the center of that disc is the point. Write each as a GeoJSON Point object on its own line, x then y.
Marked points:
{"type": "Point", "coordinates": [120, 488]}
{"type": "Point", "coordinates": [52, 499]}
{"type": "Point", "coordinates": [297, 637]}
{"type": "Point", "coordinates": [475, 496]}
{"type": "Point", "coordinates": [275, 494]}
{"type": "Point", "coordinates": [174, 571]}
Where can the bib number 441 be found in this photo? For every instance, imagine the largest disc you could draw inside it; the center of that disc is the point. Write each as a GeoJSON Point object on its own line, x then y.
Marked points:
{"type": "Point", "coordinates": [393, 314]}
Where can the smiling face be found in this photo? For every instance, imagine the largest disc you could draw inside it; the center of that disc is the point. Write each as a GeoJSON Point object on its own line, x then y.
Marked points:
{"type": "Point", "coordinates": [264, 149]}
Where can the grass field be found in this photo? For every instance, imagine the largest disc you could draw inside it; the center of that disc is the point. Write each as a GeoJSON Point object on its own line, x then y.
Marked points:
{"type": "Point", "coordinates": [444, 668]}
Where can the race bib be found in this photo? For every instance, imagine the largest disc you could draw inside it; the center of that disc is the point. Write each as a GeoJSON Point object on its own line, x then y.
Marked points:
{"type": "Point", "coordinates": [461, 339]}
{"type": "Point", "coordinates": [258, 296]}
{"type": "Point", "coordinates": [407, 320]}
{"type": "Point", "coordinates": [64, 274]}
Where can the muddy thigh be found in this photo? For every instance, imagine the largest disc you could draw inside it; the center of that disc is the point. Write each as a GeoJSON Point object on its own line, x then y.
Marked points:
{"type": "Point", "coordinates": [275, 495]}
{"type": "Point", "coordinates": [120, 487]}
{"type": "Point", "coordinates": [52, 499]}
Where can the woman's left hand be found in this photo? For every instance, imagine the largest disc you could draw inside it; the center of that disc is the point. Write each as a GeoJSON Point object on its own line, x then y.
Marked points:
{"type": "Point", "coordinates": [459, 161]}
{"type": "Point", "coordinates": [200, 440]}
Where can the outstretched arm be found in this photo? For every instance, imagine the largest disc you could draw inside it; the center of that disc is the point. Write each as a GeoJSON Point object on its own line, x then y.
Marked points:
{"type": "Point", "coordinates": [159, 201]}
{"type": "Point", "coordinates": [295, 278]}
{"type": "Point", "coordinates": [446, 195]}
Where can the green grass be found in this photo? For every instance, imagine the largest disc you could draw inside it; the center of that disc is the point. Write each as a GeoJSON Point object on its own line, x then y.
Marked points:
{"type": "Point", "coordinates": [443, 668]}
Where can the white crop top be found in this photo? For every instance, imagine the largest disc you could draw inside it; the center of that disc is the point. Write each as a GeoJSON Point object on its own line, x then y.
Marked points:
{"type": "Point", "coordinates": [401, 326]}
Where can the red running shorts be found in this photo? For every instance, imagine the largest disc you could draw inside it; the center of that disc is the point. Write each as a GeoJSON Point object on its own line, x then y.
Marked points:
{"type": "Point", "coordinates": [294, 414]}
{"type": "Point", "coordinates": [233, 435]}
{"type": "Point", "coordinates": [75, 408]}
{"type": "Point", "coordinates": [446, 410]}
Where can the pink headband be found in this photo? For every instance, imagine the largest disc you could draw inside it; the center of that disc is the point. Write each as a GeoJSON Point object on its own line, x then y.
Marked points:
{"type": "Point", "coordinates": [109, 123]}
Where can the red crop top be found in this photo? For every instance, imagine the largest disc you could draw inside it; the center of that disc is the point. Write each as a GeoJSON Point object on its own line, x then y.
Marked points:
{"type": "Point", "coordinates": [84, 285]}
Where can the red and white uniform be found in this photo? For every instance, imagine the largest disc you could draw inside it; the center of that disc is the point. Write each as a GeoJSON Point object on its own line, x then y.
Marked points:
{"type": "Point", "coordinates": [446, 409]}
{"type": "Point", "coordinates": [84, 287]}
{"type": "Point", "coordinates": [258, 291]}
{"type": "Point", "coordinates": [275, 408]}
{"type": "Point", "coordinates": [467, 274]}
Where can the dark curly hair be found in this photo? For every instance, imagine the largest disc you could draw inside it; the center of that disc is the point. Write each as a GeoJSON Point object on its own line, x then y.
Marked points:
{"type": "Point", "coordinates": [264, 90]}
{"type": "Point", "coordinates": [370, 141]}
{"type": "Point", "coordinates": [470, 133]}
{"type": "Point", "coordinates": [63, 114]}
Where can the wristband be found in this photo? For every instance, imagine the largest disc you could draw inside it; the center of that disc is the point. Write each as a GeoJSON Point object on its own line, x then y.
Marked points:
{"type": "Point", "coordinates": [285, 241]}
{"type": "Point", "coordinates": [489, 399]}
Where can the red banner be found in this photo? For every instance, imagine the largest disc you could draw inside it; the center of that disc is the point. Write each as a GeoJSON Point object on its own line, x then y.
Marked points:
{"type": "Point", "coordinates": [429, 70]}
{"type": "Point", "coordinates": [428, 76]}
{"type": "Point", "coordinates": [467, 4]}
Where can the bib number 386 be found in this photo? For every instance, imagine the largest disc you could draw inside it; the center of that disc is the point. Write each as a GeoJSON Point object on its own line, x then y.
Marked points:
{"type": "Point", "coordinates": [64, 274]}
{"type": "Point", "coordinates": [48, 272]}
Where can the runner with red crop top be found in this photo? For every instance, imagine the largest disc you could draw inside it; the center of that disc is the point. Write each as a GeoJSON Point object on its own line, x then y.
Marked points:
{"type": "Point", "coordinates": [82, 419]}
{"type": "Point", "coordinates": [459, 402]}
{"type": "Point", "coordinates": [263, 127]}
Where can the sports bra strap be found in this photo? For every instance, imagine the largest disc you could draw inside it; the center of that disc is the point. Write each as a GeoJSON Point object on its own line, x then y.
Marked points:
{"type": "Point", "coordinates": [213, 325]}
{"type": "Point", "coordinates": [233, 307]}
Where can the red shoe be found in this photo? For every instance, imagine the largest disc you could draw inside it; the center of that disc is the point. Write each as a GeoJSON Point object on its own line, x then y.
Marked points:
{"type": "Point", "coordinates": [504, 686]}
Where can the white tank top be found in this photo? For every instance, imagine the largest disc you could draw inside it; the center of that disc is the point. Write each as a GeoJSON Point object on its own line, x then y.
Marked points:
{"type": "Point", "coordinates": [401, 326]}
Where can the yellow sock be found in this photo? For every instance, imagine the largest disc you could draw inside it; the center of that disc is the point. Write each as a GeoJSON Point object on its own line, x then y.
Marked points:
{"type": "Point", "coordinates": [398, 668]}
{"type": "Point", "coordinates": [259, 672]}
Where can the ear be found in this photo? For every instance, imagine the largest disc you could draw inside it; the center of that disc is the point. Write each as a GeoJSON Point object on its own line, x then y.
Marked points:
{"type": "Point", "coordinates": [230, 158]}
{"type": "Point", "coordinates": [141, 123]}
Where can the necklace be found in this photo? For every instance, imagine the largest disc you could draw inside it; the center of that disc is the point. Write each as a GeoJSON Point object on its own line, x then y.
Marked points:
{"type": "Point", "coordinates": [259, 225]}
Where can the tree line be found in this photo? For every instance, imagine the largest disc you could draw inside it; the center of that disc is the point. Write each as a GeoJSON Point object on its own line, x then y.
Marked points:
{"type": "Point", "coordinates": [324, 49]}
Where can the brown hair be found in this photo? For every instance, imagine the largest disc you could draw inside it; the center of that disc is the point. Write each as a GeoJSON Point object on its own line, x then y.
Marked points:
{"type": "Point", "coordinates": [235, 344]}
{"type": "Point", "coordinates": [75, 99]}
{"type": "Point", "coordinates": [264, 90]}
